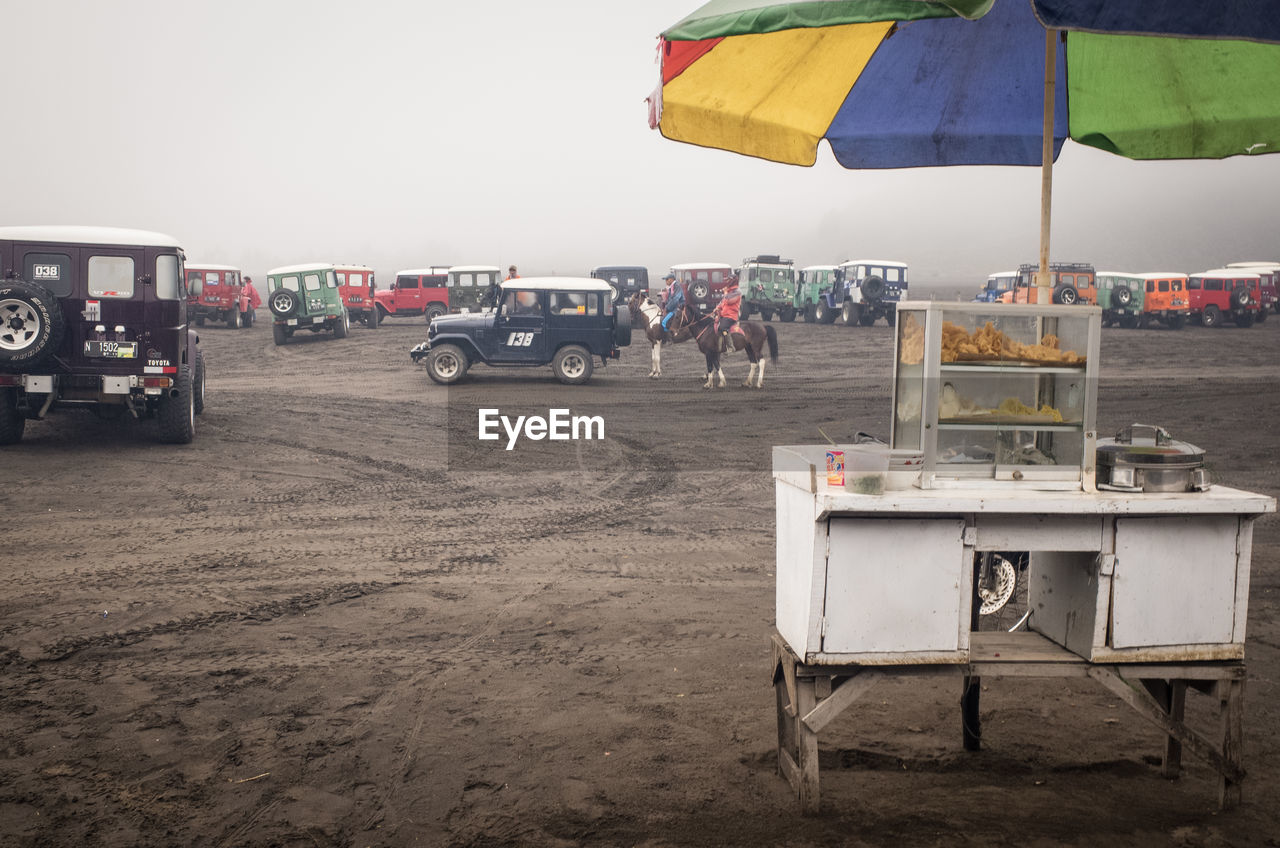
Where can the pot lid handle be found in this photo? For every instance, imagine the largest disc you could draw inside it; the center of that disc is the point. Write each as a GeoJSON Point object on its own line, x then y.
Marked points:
{"type": "Point", "coordinates": [1158, 435]}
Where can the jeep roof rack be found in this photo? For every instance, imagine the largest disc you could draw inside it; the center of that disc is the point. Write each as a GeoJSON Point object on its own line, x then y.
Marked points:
{"type": "Point", "coordinates": [768, 259]}
{"type": "Point", "coordinates": [1032, 267]}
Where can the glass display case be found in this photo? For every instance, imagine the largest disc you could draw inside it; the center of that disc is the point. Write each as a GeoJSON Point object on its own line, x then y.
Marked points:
{"type": "Point", "coordinates": [997, 394]}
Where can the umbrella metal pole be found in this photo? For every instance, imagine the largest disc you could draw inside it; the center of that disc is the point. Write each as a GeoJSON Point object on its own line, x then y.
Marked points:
{"type": "Point", "coordinates": [1044, 279]}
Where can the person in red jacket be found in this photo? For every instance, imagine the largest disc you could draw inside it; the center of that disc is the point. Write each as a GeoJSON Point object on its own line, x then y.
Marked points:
{"type": "Point", "coordinates": [728, 309]}
{"type": "Point", "coordinates": [255, 299]}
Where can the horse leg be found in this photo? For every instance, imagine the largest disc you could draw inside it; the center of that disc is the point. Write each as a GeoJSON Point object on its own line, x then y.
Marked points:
{"type": "Point", "coordinates": [655, 359]}
{"type": "Point", "coordinates": [760, 378]}
{"type": "Point", "coordinates": [712, 365]}
{"type": "Point", "coordinates": [753, 359]}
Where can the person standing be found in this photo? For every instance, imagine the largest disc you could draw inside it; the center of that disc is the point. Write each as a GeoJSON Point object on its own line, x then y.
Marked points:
{"type": "Point", "coordinates": [511, 273]}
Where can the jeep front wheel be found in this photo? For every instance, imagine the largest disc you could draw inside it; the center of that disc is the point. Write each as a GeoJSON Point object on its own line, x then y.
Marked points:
{"type": "Point", "coordinates": [1212, 316]}
{"type": "Point", "coordinates": [233, 318]}
{"type": "Point", "coordinates": [176, 411]}
{"type": "Point", "coordinates": [447, 364]}
{"type": "Point", "coordinates": [825, 314]}
{"type": "Point", "coordinates": [31, 324]}
{"type": "Point", "coordinates": [787, 315]}
{"type": "Point", "coordinates": [572, 365]}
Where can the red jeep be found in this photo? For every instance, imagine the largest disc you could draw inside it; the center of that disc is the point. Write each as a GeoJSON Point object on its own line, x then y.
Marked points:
{"type": "Point", "coordinates": [418, 291]}
{"type": "Point", "coordinates": [217, 293]}
{"type": "Point", "coordinates": [704, 282]}
{"type": "Point", "coordinates": [356, 287]}
{"type": "Point", "coordinates": [1269, 272]}
{"type": "Point", "coordinates": [1223, 293]}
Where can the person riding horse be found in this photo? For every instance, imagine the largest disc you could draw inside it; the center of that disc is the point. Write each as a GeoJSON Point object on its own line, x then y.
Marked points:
{"type": "Point", "coordinates": [674, 295]}
{"type": "Point", "coordinates": [728, 310]}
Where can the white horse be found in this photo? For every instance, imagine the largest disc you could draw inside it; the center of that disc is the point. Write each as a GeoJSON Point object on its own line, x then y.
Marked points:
{"type": "Point", "coordinates": [645, 312]}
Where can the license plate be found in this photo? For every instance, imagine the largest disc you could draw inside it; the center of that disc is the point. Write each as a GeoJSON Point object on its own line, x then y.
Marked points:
{"type": "Point", "coordinates": [111, 350]}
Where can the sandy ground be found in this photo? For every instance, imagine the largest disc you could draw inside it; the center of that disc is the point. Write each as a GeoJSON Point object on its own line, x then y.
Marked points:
{"type": "Point", "coordinates": [338, 618]}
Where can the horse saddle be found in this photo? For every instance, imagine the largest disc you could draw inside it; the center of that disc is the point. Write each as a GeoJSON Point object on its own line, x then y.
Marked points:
{"type": "Point", "coordinates": [726, 339]}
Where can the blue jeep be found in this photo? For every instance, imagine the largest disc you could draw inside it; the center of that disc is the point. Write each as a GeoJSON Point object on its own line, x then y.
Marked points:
{"type": "Point", "coordinates": [872, 289]}
{"type": "Point", "coordinates": [867, 289]}
{"type": "Point", "coordinates": [997, 285]}
{"type": "Point", "coordinates": [560, 321]}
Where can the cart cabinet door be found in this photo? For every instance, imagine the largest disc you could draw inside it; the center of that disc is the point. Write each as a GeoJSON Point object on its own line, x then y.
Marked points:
{"type": "Point", "coordinates": [1175, 581]}
{"type": "Point", "coordinates": [894, 585]}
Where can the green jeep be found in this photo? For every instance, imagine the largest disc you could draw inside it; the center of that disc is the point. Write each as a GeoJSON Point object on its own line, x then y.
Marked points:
{"type": "Point", "coordinates": [816, 281]}
{"type": "Point", "coordinates": [1120, 296]}
{"type": "Point", "coordinates": [768, 287]}
{"type": "Point", "coordinates": [306, 297]}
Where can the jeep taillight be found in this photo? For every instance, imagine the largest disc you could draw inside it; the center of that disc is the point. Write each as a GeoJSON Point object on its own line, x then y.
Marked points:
{"type": "Point", "coordinates": [156, 382]}
{"type": "Point", "coordinates": [10, 380]}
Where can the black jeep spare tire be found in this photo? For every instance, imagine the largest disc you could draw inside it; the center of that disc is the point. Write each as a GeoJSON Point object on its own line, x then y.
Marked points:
{"type": "Point", "coordinates": [31, 324]}
{"type": "Point", "coordinates": [1066, 294]}
{"type": "Point", "coordinates": [1240, 298]}
{"type": "Point", "coordinates": [1122, 296]}
{"type": "Point", "coordinates": [283, 302]}
{"type": "Point", "coordinates": [622, 327]}
{"type": "Point", "coordinates": [872, 287]}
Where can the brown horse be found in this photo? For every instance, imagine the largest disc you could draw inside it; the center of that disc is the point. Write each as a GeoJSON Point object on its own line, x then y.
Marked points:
{"type": "Point", "coordinates": [749, 336]}
{"type": "Point", "coordinates": [645, 313]}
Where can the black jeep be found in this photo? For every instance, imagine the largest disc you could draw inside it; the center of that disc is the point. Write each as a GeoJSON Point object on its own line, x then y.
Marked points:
{"type": "Point", "coordinates": [563, 321]}
{"type": "Point", "coordinates": [96, 317]}
{"type": "Point", "coordinates": [625, 280]}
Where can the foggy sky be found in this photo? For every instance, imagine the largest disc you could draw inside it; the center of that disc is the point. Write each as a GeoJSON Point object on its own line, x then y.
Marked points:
{"type": "Point", "coordinates": [403, 134]}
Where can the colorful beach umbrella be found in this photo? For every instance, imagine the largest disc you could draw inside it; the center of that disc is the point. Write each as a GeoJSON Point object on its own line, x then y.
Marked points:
{"type": "Point", "coordinates": [921, 83]}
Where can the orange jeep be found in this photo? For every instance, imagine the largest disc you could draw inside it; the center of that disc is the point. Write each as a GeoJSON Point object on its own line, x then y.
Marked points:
{"type": "Point", "coordinates": [1165, 300]}
{"type": "Point", "coordinates": [1073, 282]}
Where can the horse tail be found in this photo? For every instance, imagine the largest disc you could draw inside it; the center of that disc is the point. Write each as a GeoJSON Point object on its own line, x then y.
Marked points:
{"type": "Point", "coordinates": [773, 342]}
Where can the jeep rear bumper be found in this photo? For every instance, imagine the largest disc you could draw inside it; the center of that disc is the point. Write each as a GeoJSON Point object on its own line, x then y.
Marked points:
{"type": "Point", "coordinates": [38, 393]}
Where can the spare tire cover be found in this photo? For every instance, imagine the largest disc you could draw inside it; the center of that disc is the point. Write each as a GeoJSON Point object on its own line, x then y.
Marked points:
{"type": "Point", "coordinates": [622, 327]}
{"type": "Point", "coordinates": [872, 287]}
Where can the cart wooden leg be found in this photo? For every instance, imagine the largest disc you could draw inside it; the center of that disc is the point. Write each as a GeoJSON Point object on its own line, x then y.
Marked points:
{"type": "Point", "coordinates": [1171, 695]}
{"type": "Point", "coordinates": [970, 720]}
{"type": "Point", "coordinates": [784, 687]}
{"type": "Point", "coordinates": [1231, 711]}
{"type": "Point", "coordinates": [807, 740]}
{"type": "Point", "coordinates": [1175, 702]}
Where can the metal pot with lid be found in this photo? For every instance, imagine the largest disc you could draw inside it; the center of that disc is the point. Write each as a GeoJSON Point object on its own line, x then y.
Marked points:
{"type": "Point", "coordinates": [1145, 458]}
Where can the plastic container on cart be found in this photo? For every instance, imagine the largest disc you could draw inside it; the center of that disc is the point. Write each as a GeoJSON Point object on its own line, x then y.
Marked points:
{"type": "Point", "coordinates": [866, 468]}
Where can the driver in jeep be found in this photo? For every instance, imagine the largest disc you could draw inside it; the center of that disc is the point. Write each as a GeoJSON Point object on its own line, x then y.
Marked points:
{"type": "Point", "coordinates": [728, 310]}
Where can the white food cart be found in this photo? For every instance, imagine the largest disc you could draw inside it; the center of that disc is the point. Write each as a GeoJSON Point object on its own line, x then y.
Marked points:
{"type": "Point", "coordinates": [1147, 593]}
